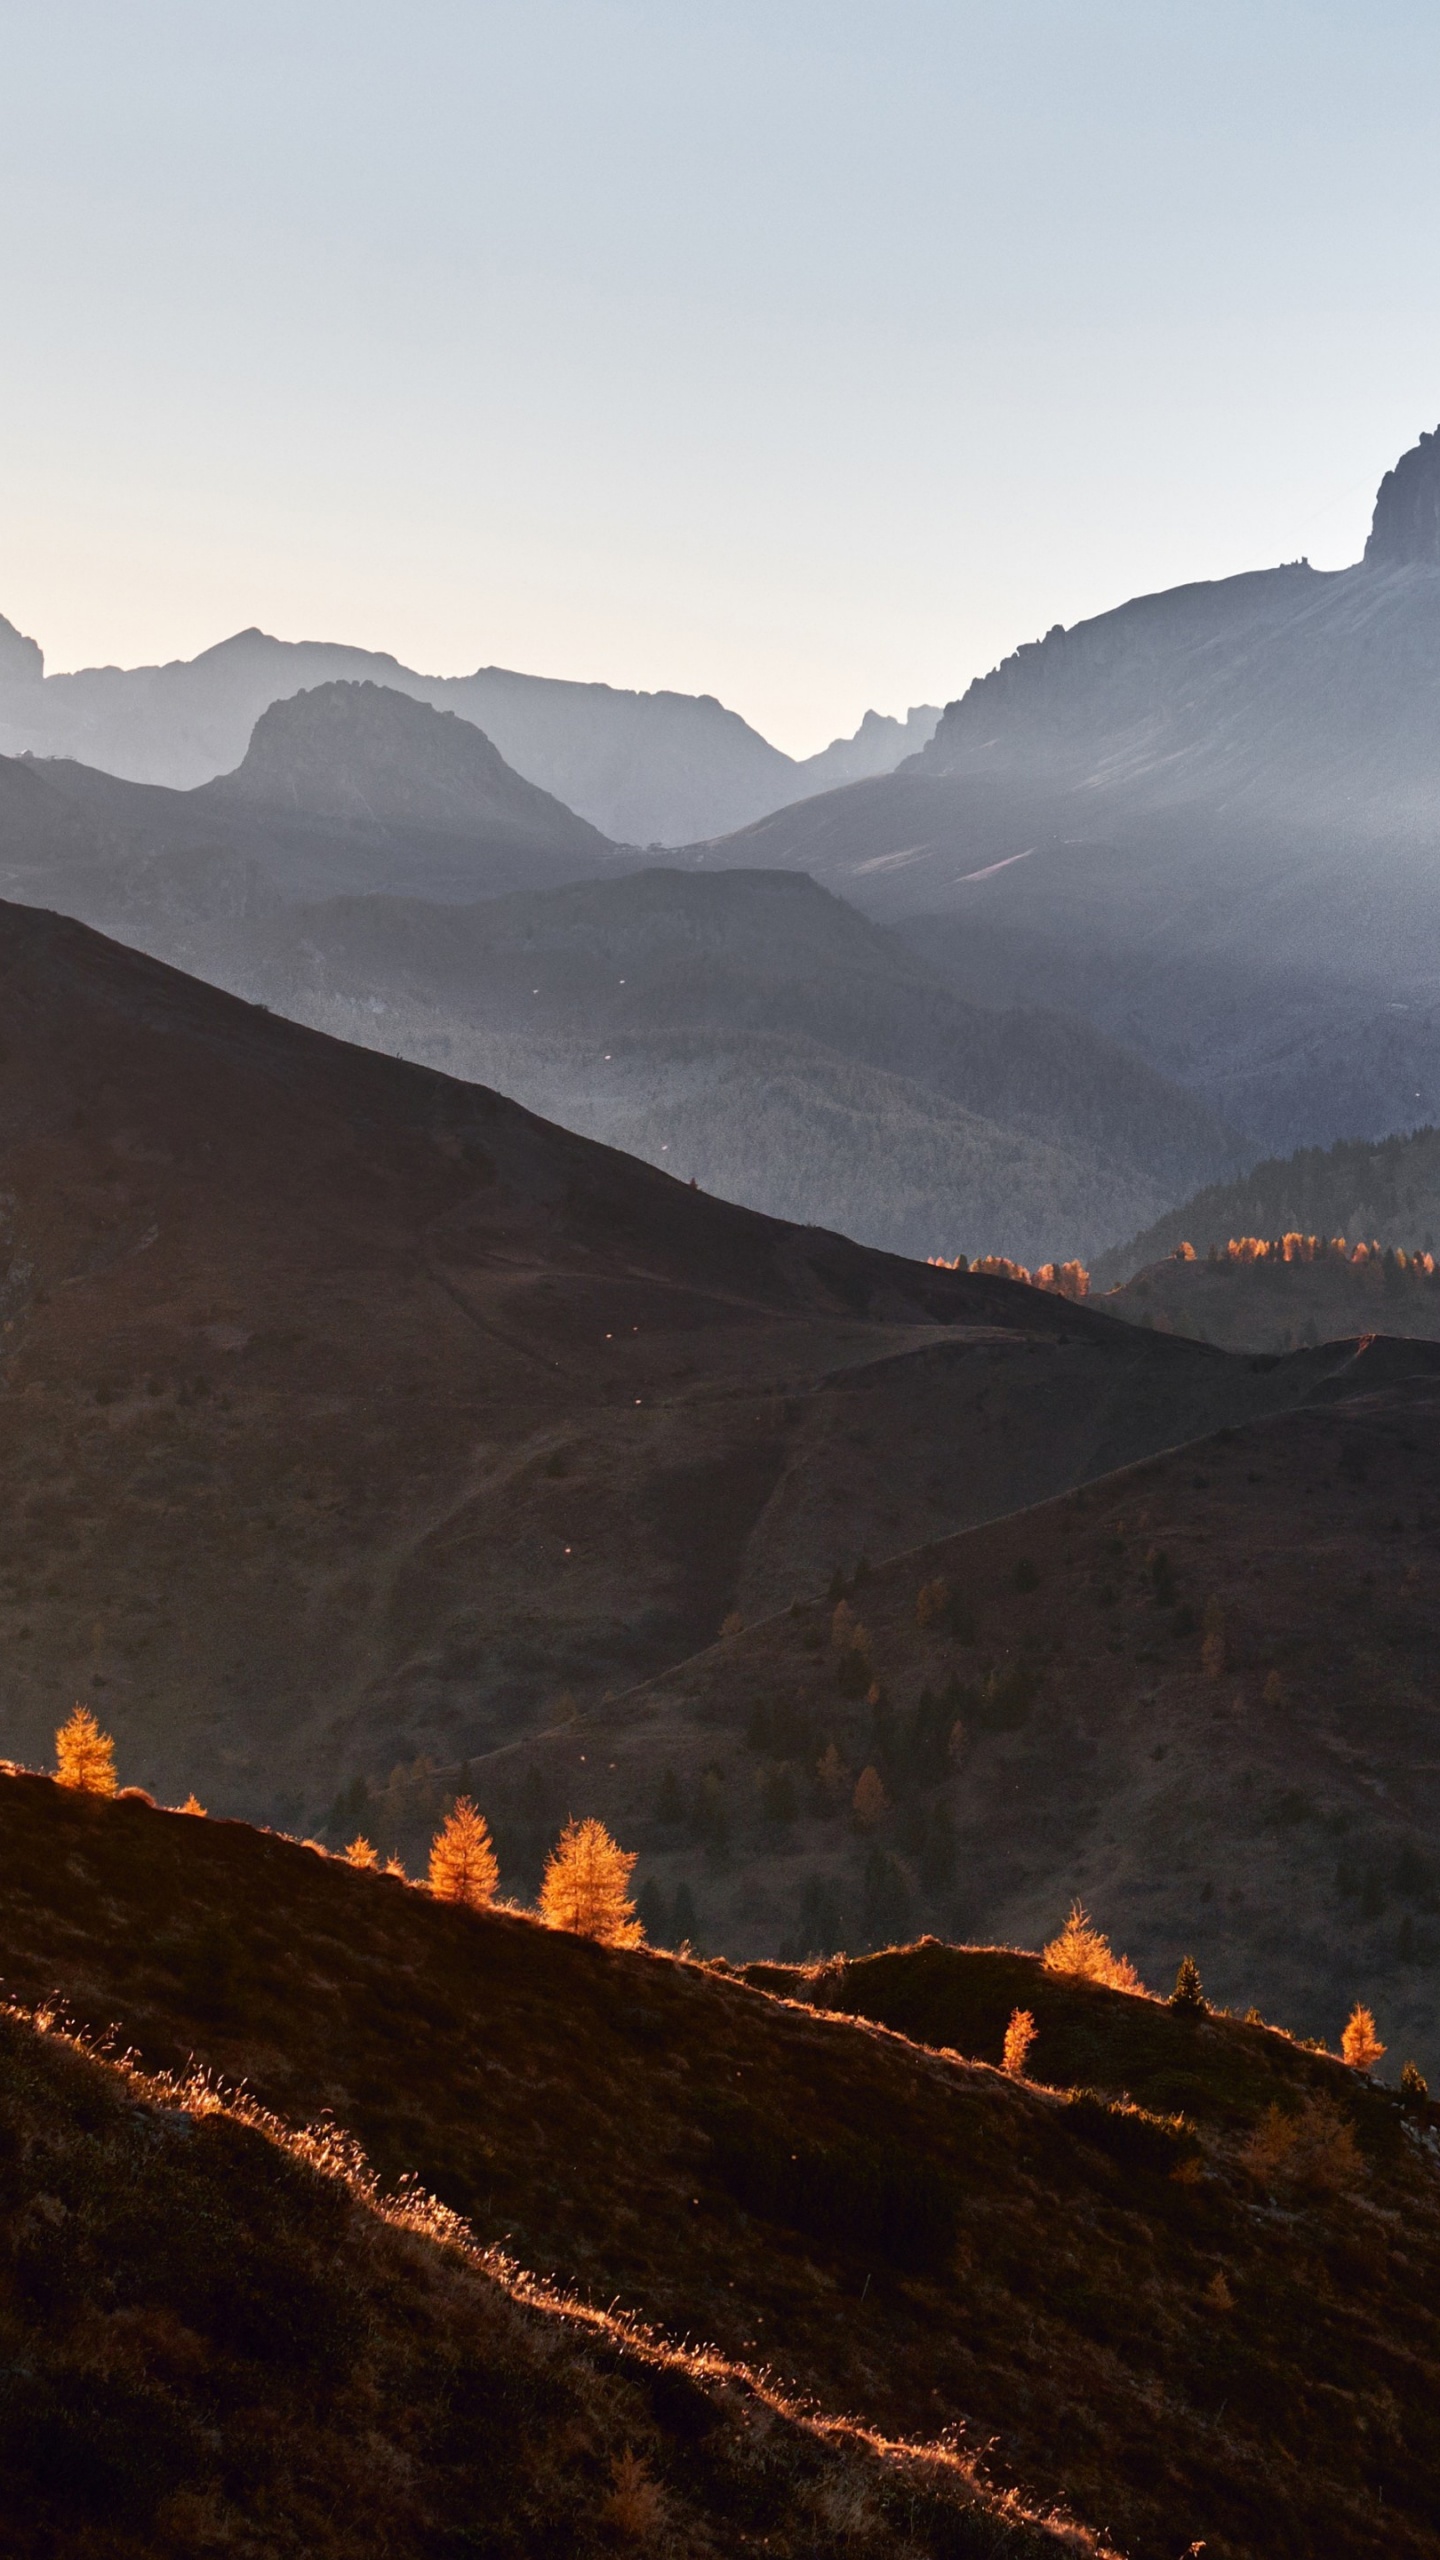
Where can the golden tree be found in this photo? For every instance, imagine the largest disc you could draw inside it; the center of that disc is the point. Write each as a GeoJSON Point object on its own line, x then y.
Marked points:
{"type": "Point", "coordinates": [1083, 1949]}
{"type": "Point", "coordinates": [1019, 2037]}
{"type": "Point", "coordinates": [360, 1853]}
{"type": "Point", "coordinates": [869, 1800]}
{"type": "Point", "coordinates": [585, 1887]}
{"type": "Point", "coordinates": [84, 1756]}
{"type": "Point", "coordinates": [1360, 2044]}
{"type": "Point", "coordinates": [463, 1864]}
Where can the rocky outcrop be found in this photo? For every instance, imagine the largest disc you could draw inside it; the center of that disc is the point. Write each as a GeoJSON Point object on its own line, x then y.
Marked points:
{"type": "Point", "coordinates": [22, 661]}
{"type": "Point", "coordinates": [1405, 531]}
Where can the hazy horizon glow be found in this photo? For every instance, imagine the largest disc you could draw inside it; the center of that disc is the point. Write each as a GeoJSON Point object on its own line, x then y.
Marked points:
{"type": "Point", "coordinates": [810, 356]}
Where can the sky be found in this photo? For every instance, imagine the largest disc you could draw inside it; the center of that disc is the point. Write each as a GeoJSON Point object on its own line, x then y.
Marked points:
{"type": "Point", "coordinates": [810, 353]}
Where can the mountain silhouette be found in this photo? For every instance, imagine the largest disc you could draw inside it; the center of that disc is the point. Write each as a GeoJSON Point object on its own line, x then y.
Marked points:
{"type": "Point", "coordinates": [1204, 820]}
{"type": "Point", "coordinates": [643, 767]}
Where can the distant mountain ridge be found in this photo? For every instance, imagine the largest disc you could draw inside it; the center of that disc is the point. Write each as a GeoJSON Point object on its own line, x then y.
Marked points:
{"type": "Point", "coordinates": [374, 868]}
{"type": "Point", "coordinates": [1206, 820]}
{"type": "Point", "coordinates": [753, 1030]}
{"type": "Point", "coordinates": [645, 768]}
{"type": "Point", "coordinates": [346, 788]}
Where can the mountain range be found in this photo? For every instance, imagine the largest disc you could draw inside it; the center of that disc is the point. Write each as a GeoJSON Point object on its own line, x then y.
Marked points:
{"type": "Point", "coordinates": [1204, 821]}
{"type": "Point", "coordinates": [745, 1027]}
{"type": "Point", "coordinates": [645, 768]}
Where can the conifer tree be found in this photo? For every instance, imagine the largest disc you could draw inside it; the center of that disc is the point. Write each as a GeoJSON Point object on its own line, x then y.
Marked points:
{"type": "Point", "coordinates": [1188, 1992]}
{"type": "Point", "coordinates": [84, 1756]}
{"type": "Point", "coordinates": [1360, 2044]}
{"type": "Point", "coordinates": [360, 1852]}
{"type": "Point", "coordinates": [1019, 2037]}
{"type": "Point", "coordinates": [869, 1800]}
{"type": "Point", "coordinates": [463, 1864]}
{"type": "Point", "coordinates": [585, 1887]}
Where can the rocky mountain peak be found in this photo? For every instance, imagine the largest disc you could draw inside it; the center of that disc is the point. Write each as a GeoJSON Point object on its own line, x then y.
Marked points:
{"type": "Point", "coordinates": [22, 661]}
{"type": "Point", "coordinates": [1406, 526]}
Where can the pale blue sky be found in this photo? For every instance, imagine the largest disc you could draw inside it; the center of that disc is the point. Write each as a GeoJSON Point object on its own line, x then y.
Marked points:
{"type": "Point", "coordinates": [807, 352]}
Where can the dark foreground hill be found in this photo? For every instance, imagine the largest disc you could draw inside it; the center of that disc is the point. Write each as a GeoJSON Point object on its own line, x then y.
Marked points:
{"type": "Point", "coordinates": [1198, 1695]}
{"type": "Point", "coordinates": [221, 2333]}
{"type": "Point", "coordinates": [353, 1414]}
{"type": "Point", "coordinates": [1206, 2321]}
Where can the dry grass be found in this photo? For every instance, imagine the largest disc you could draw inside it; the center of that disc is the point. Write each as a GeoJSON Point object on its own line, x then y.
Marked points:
{"type": "Point", "coordinates": [884, 2228]}
{"type": "Point", "coordinates": [219, 2334]}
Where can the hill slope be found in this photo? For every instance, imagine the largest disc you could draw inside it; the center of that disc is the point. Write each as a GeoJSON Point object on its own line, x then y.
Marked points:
{"type": "Point", "coordinates": [237, 2339]}
{"type": "Point", "coordinates": [1110, 2300]}
{"type": "Point", "coordinates": [353, 1414]}
{"type": "Point", "coordinates": [1055, 1727]}
{"type": "Point", "coordinates": [750, 1029]}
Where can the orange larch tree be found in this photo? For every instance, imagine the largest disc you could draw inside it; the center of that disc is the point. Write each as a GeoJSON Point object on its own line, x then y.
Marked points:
{"type": "Point", "coordinates": [586, 1887]}
{"type": "Point", "coordinates": [84, 1756]}
{"type": "Point", "coordinates": [463, 1864]}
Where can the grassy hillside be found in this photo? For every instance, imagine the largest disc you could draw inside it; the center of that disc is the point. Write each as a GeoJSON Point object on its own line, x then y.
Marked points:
{"type": "Point", "coordinates": [1036, 1701]}
{"type": "Point", "coordinates": [1199, 2319]}
{"type": "Point", "coordinates": [220, 2333]}
{"type": "Point", "coordinates": [352, 1414]}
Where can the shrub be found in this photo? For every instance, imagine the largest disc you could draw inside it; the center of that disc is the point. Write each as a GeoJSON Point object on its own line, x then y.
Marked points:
{"type": "Point", "coordinates": [1315, 2149]}
{"type": "Point", "coordinates": [1360, 2044]}
{"type": "Point", "coordinates": [463, 1864]}
{"type": "Point", "coordinates": [1414, 2087]}
{"type": "Point", "coordinates": [84, 1756]}
{"type": "Point", "coordinates": [1019, 2037]}
{"type": "Point", "coordinates": [932, 1600]}
{"type": "Point", "coordinates": [192, 1804]}
{"type": "Point", "coordinates": [1188, 1993]}
{"type": "Point", "coordinates": [869, 1800]}
{"type": "Point", "coordinates": [1129, 2135]}
{"type": "Point", "coordinates": [1084, 1950]}
{"type": "Point", "coordinates": [584, 1887]}
{"type": "Point", "coordinates": [1006, 1698]}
